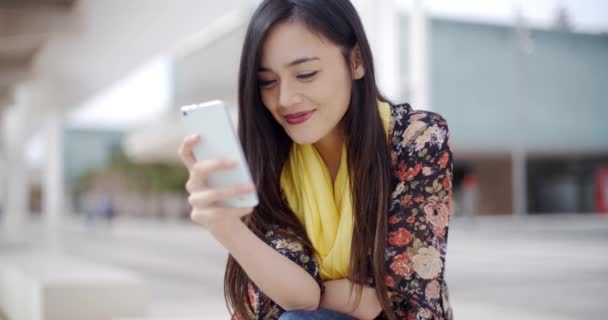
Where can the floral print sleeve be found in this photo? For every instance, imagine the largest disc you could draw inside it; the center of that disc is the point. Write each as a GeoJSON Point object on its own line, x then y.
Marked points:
{"type": "Point", "coordinates": [419, 215]}
{"type": "Point", "coordinates": [264, 307]}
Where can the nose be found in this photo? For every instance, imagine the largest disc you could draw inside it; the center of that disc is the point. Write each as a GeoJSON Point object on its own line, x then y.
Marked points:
{"type": "Point", "coordinates": [288, 95]}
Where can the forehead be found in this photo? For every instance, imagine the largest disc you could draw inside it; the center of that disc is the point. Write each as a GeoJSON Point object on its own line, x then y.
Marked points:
{"type": "Point", "coordinates": [287, 41]}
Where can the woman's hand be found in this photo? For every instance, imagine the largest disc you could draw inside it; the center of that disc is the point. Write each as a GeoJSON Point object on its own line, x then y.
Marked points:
{"type": "Point", "coordinates": [203, 199]}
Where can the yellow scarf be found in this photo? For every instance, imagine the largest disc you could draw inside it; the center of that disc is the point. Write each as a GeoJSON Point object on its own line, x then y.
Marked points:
{"type": "Point", "coordinates": [324, 210]}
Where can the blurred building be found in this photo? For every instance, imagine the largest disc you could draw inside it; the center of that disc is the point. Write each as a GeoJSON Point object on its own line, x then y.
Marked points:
{"type": "Point", "coordinates": [524, 105]}
{"type": "Point", "coordinates": [55, 55]}
{"type": "Point", "coordinates": [87, 150]}
{"type": "Point", "coordinates": [525, 108]}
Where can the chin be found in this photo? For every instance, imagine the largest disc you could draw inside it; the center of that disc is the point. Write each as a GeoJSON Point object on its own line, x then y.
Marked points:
{"type": "Point", "coordinates": [303, 138]}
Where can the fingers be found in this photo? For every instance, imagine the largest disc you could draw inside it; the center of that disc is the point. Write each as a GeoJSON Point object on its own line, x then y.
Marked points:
{"type": "Point", "coordinates": [213, 218]}
{"type": "Point", "coordinates": [202, 199]}
{"type": "Point", "coordinates": [209, 197]}
{"type": "Point", "coordinates": [201, 170]}
{"type": "Point", "coordinates": [185, 150]}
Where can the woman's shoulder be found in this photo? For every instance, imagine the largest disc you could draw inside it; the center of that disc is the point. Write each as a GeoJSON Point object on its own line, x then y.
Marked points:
{"type": "Point", "coordinates": [408, 123]}
{"type": "Point", "coordinates": [417, 130]}
{"type": "Point", "coordinates": [404, 115]}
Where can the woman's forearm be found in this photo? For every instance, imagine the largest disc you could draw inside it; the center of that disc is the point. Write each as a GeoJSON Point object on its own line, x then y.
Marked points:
{"type": "Point", "coordinates": [338, 297]}
{"type": "Point", "coordinates": [282, 280]}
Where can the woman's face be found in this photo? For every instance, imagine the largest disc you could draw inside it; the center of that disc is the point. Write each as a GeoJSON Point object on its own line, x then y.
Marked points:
{"type": "Point", "coordinates": [304, 82]}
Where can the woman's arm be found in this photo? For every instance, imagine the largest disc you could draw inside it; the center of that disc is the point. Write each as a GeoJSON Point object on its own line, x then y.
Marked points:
{"type": "Point", "coordinates": [418, 227]}
{"type": "Point", "coordinates": [282, 280]}
{"type": "Point", "coordinates": [338, 296]}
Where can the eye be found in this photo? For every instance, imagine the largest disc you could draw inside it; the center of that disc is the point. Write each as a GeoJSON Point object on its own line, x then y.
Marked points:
{"type": "Point", "coordinates": [307, 75]}
{"type": "Point", "coordinates": [266, 83]}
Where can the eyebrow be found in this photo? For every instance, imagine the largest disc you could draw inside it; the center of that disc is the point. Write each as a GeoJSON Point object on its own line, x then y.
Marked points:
{"type": "Point", "coordinates": [293, 63]}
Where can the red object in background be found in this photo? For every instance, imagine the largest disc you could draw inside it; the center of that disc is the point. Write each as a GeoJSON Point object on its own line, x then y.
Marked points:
{"type": "Point", "coordinates": [601, 190]}
{"type": "Point", "coordinates": [469, 197]}
{"type": "Point", "coordinates": [469, 182]}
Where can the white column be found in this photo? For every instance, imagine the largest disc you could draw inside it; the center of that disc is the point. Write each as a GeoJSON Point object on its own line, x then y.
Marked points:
{"type": "Point", "coordinates": [525, 46]}
{"type": "Point", "coordinates": [419, 55]}
{"type": "Point", "coordinates": [387, 50]}
{"type": "Point", "coordinates": [54, 185]}
{"type": "Point", "coordinates": [380, 20]}
{"type": "Point", "coordinates": [368, 12]}
{"type": "Point", "coordinates": [15, 134]}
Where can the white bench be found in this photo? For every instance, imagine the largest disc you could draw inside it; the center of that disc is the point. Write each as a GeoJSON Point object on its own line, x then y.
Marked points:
{"type": "Point", "coordinates": [39, 286]}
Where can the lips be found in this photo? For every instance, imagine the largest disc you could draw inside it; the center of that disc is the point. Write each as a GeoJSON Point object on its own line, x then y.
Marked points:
{"type": "Point", "coordinates": [298, 117]}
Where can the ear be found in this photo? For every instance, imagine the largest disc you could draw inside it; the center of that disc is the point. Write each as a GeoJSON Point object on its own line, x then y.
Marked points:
{"type": "Point", "coordinates": [356, 63]}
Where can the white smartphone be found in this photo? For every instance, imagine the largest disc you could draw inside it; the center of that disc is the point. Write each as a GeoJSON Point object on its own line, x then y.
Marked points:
{"type": "Point", "coordinates": [219, 142]}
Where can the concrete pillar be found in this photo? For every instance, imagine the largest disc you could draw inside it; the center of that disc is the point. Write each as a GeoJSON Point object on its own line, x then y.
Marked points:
{"type": "Point", "coordinates": [419, 55]}
{"type": "Point", "coordinates": [520, 199]}
{"type": "Point", "coordinates": [16, 207]}
{"type": "Point", "coordinates": [3, 166]}
{"type": "Point", "coordinates": [53, 190]}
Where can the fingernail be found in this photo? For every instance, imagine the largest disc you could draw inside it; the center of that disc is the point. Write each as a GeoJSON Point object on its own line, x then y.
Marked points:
{"type": "Point", "coordinates": [194, 136]}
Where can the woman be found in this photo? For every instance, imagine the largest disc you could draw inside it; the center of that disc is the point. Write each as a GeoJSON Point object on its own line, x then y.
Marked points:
{"type": "Point", "coordinates": [354, 191]}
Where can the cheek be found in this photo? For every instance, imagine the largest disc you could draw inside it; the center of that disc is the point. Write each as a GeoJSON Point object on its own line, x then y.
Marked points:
{"type": "Point", "coordinates": [269, 102]}
{"type": "Point", "coordinates": [264, 94]}
{"type": "Point", "coordinates": [334, 91]}
{"type": "Point", "coordinates": [266, 99]}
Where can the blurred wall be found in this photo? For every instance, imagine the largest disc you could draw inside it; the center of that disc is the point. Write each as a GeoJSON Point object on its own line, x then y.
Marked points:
{"type": "Point", "coordinates": [491, 89]}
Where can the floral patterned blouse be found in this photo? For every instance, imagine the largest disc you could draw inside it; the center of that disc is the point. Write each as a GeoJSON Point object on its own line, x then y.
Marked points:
{"type": "Point", "coordinates": [417, 222]}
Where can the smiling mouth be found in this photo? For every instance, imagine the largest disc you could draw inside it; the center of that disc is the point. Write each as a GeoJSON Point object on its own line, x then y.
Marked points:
{"type": "Point", "coordinates": [299, 117]}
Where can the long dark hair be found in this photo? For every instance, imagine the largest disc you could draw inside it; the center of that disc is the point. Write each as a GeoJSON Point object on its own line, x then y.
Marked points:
{"type": "Point", "coordinates": [267, 146]}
